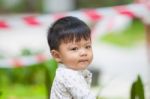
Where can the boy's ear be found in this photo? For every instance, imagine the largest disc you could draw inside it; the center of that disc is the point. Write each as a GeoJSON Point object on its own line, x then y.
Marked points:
{"type": "Point", "coordinates": [56, 55]}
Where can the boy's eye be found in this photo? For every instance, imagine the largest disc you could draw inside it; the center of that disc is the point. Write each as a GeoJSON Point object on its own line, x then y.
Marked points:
{"type": "Point", "coordinates": [88, 47]}
{"type": "Point", "coordinates": [74, 48]}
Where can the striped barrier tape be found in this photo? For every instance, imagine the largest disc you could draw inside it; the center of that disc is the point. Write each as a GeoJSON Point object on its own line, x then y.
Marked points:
{"type": "Point", "coordinates": [87, 15]}
{"type": "Point", "coordinates": [22, 61]}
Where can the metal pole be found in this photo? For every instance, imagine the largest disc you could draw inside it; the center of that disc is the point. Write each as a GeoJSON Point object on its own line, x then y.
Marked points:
{"type": "Point", "coordinates": [147, 29]}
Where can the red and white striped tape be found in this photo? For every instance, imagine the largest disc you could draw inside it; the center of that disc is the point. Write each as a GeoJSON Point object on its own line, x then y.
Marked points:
{"type": "Point", "coordinates": [22, 61]}
{"type": "Point", "coordinates": [89, 15]}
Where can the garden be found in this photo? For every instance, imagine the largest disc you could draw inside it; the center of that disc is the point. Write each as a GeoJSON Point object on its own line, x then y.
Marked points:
{"type": "Point", "coordinates": [124, 55]}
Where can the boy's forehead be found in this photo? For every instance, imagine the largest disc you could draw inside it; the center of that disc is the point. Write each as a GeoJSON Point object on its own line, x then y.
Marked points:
{"type": "Point", "coordinates": [78, 42]}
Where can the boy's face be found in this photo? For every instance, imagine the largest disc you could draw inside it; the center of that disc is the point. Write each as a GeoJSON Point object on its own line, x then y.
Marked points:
{"type": "Point", "coordinates": [75, 55]}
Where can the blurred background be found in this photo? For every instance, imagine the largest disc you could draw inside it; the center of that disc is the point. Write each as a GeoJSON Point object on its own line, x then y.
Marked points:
{"type": "Point", "coordinates": [120, 34]}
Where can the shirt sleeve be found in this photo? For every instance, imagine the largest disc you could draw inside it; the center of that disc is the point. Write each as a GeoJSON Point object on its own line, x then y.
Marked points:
{"type": "Point", "coordinates": [77, 86]}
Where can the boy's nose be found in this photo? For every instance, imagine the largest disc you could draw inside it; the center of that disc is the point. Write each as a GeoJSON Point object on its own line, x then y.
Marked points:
{"type": "Point", "coordinates": [83, 52]}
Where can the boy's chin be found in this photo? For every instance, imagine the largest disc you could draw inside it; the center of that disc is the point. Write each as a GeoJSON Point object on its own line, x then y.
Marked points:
{"type": "Point", "coordinates": [82, 67]}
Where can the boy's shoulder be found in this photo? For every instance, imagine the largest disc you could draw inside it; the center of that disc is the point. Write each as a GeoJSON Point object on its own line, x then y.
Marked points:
{"type": "Point", "coordinates": [65, 75]}
{"type": "Point", "coordinates": [63, 71]}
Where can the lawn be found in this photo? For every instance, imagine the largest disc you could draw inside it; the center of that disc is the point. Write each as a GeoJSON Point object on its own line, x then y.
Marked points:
{"type": "Point", "coordinates": [32, 82]}
{"type": "Point", "coordinates": [23, 92]}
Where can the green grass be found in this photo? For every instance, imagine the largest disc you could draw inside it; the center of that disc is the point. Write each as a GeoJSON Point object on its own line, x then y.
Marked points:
{"type": "Point", "coordinates": [23, 92]}
{"type": "Point", "coordinates": [32, 82]}
{"type": "Point", "coordinates": [130, 37]}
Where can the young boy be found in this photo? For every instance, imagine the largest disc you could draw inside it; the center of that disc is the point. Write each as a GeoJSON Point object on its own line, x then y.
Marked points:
{"type": "Point", "coordinates": [69, 40]}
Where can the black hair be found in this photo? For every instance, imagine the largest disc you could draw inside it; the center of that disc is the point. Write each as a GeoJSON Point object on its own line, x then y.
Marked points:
{"type": "Point", "coordinates": [67, 29]}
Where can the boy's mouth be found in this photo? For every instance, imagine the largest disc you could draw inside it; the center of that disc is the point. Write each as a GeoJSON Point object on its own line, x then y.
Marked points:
{"type": "Point", "coordinates": [83, 61]}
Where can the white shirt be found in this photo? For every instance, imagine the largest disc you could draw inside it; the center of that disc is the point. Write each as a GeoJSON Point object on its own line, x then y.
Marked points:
{"type": "Point", "coordinates": [71, 84]}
